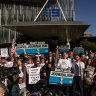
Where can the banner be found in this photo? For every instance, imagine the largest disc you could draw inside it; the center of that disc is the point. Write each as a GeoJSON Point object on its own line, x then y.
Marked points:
{"type": "Point", "coordinates": [34, 75]}
{"type": "Point", "coordinates": [63, 49]}
{"type": "Point", "coordinates": [32, 48]}
{"type": "Point", "coordinates": [78, 50]}
{"type": "Point", "coordinates": [4, 52]}
{"type": "Point", "coordinates": [63, 77]}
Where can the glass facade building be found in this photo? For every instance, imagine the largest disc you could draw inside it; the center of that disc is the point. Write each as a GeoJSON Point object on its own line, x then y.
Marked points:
{"type": "Point", "coordinates": [15, 11]}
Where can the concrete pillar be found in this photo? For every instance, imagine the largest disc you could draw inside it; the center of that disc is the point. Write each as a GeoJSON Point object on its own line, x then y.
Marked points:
{"type": "Point", "coordinates": [0, 17]}
{"type": "Point", "coordinates": [9, 36]}
{"type": "Point", "coordinates": [14, 7]}
{"type": "Point", "coordinates": [23, 17]}
{"type": "Point", "coordinates": [6, 16]}
{"type": "Point", "coordinates": [17, 16]}
{"type": "Point", "coordinates": [20, 9]}
{"type": "Point", "coordinates": [15, 34]}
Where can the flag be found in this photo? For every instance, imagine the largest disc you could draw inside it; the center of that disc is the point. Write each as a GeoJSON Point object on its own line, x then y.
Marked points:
{"type": "Point", "coordinates": [13, 46]}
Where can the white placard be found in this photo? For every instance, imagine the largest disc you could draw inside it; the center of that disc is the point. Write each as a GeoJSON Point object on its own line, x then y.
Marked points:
{"type": "Point", "coordinates": [22, 87]}
{"type": "Point", "coordinates": [90, 70]}
{"type": "Point", "coordinates": [34, 75]}
{"type": "Point", "coordinates": [29, 66]}
{"type": "Point", "coordinates": [4, 52]}
{"type": "Point", "coordinates": [9, 64]}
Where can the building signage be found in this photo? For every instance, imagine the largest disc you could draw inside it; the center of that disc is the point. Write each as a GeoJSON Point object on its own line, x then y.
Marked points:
{"type": "Point", "coordinates": [51, 12]}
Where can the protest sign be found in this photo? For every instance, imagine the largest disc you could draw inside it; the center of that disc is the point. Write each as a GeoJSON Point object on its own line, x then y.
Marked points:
{"type": "Point", "coordinates": [62, 77]}
{"type": "Point", "coordinates": [78, 50]}
{"type": "Point", "coordinates": [91, 70]}
{"type": "Point", "coordinates": [22, 87]}
{"type": "Point", "coordinates": [63, 49]}
{"type": "Point", "coordinates": [4, 52]}
{"type": "Point", "coordinates": [33, 47]}
{"type": "Point", "coordinates": [34, 75]}
{"type": "Point", "coordinates": [9, 64]}
{"type": "Point", "coordinates": [29, 66]}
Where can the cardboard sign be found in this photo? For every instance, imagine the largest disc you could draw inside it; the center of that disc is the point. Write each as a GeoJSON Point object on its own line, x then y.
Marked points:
{"type": "Point", "coordinates": [57, 77]}
{"type": "Point", "coordinates": [4, 52]}
{"type": "Point", "coordinates": [90, 70]}
{"type": "Point", "coordinates": [34, 75]}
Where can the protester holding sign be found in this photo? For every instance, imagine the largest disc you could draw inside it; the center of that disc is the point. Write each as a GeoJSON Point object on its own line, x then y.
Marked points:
{"type": "Point", "coordinates": [64, 63]}
{"type": "Point", "coordinates": [22, 69]}
{"type": "Point", "coordinates": [29, 64]}
{"type": "Point", "coordinates": [90, 69]}
{"type": "Point", "coordinates": [33, 78]}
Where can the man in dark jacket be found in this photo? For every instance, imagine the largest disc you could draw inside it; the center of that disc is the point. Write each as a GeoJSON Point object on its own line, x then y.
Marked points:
{"type": "Point", "coordinates": [45, 72]}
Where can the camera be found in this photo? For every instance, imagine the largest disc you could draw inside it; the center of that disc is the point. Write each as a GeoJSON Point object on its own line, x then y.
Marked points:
{"type": "Point", "coordinates": [8, 72]}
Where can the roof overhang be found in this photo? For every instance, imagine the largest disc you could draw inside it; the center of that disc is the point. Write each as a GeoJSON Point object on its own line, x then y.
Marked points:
{"type": "Point", "coordinates": [41, 30]}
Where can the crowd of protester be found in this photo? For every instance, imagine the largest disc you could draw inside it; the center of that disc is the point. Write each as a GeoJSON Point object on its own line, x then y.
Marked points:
{"type": "Point", "coordinates": [83, 83]}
